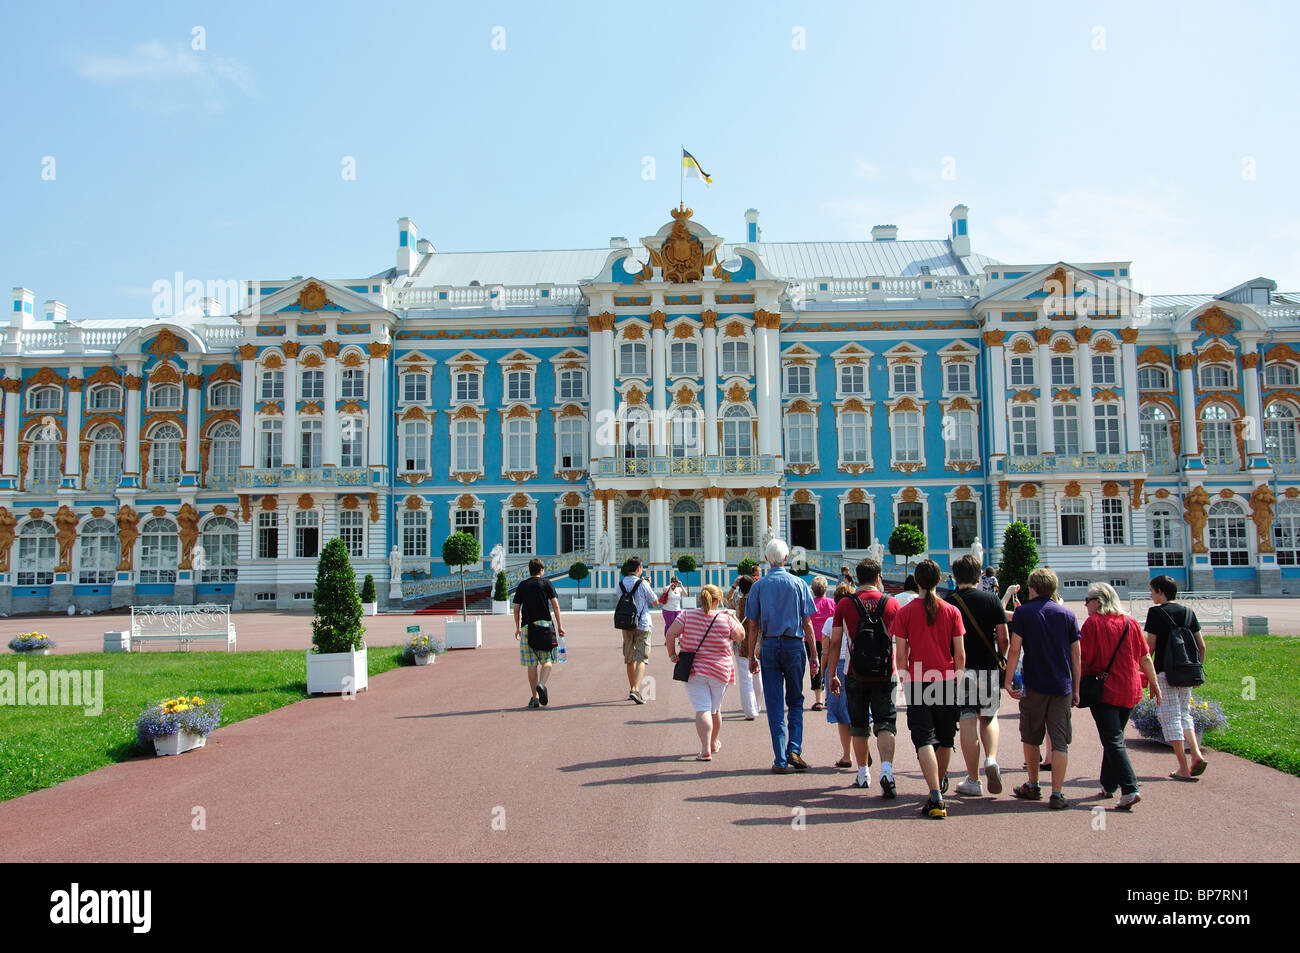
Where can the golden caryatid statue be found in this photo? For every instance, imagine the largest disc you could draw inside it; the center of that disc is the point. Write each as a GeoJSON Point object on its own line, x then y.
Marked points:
{"type": "Point", "coordinates": [187, 519]}
{"type": "Point", "coordinates": [7, 524]}
{"type": "Point", "coordinates": [66, 521]}
{"type": "Point", "coordinates": [127, 534]}
{"type": "Point", "coordinates": [1261, 502]}
{"type": "Point", "coordinates": [1195, 505]}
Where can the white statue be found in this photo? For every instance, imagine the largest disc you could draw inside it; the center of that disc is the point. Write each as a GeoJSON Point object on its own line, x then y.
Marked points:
{"type": "Point", "coordinates": [768, 536]}
{"type": "Point", "coordinates": [498, 558]}
{"type": "Point", "coordinates": [876, 551]}
{"type": "Point", "coordinates": [977, 550]}
{"type": "Point", "coordinates": [395, 563]}
{"type": "Point", "coordinates": [602, 549]}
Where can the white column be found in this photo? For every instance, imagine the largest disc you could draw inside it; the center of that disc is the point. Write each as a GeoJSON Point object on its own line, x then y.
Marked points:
{"type": "Point", "coordinates": [659, 385]}
{"type": "Point", "coordinates": [1046, 431]}
{"type": "Point", "coordinates": [1087, 424]}
{"type": "Point", "coordinates": [774, 385]}
{"type": "Point", "coordinates": [1132, 418]}
{"type": "Point", "coordinates": [1187, 397]}
{"type": "Point", "coordinates": [710, 395]}
{"type": "Point", "coordinates": [11, 427]}
{"type": "Point", "coordinates": [379, 417]}
{"type": "Point", "coordinates": [596, 380]}
{"type": "Point", "coordinates": [659, 539]}
{"type": "Point", "coordinates": [291, 448]}
{"type": "Point", "coordinates": [998, 396]}
{"type": "Point", "coordinates": [598, 528]}
{"type": "Point", "coordinates": [193, 398]}
{"type": "Point", "coordinates": [131, 439]}
{"type": "Point", "coordinates": [764, 385]}
{"type": "Point", "coordinates": [714, 541]}
{"type": "Point", "coordinates": [247, 413]}
{"type": "Point", "coordinates": [72, 456]}
{"type": "Point", "coordinates": [1250, 383]}
{"type": "Point", "coordinates": [333, 448]}
{"type": "Point", "coordinates": [760, 524]}
{"type": "Point", "coordinates": [607, 384]}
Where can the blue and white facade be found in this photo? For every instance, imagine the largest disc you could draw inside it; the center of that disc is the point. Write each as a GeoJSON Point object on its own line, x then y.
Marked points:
{"type": "Point", "coordinates": [681, 396]}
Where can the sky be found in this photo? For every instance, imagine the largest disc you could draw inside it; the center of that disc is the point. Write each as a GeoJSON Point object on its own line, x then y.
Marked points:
{"type": "Point", "coordinates": [236, 140]}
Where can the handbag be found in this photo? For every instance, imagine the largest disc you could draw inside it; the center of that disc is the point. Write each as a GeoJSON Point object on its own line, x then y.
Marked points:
{"type": "Point", "coordinates": [686, 660]}
{"type": "Point", "coordinates": [1002, 662]}
{"type": "Point", "coordinates": [1092, 686]}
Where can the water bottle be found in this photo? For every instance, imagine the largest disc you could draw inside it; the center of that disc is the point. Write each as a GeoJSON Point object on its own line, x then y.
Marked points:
{"type": "Point", "coordinates": [1018, 679]}
{"type": "Point", "coordinates": [564, 656]}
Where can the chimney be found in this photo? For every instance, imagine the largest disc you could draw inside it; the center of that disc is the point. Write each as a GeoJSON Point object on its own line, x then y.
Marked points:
{"type": "Point", "coordinates": [24, 307]}
{"type": "Point", "coordinates": [618, 241]}
{"type": "Point", "coordinates": [884, 233]}
{"type": "Point", "coordinates": [55, 311]}
{"type": "Point", "coordinates": [960, 237]}
{"type": "Point", "coordinates": [407, 236]}
{"type": "Point", "coordinates": [752, 232]}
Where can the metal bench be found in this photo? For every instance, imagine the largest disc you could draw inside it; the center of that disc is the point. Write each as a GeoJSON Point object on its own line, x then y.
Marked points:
{"type": "Point", "coordinates": [183, 624]}
{"type": "Point", "coordinates": [1212, 608]}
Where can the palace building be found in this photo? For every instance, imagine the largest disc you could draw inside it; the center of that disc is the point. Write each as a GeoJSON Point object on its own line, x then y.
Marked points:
{"type": "Point", "coordinates": [680, 395]}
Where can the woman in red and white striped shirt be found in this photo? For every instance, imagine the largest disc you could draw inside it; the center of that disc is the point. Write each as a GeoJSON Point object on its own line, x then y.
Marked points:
{"type": "Point", "coordinates": [708, 632]}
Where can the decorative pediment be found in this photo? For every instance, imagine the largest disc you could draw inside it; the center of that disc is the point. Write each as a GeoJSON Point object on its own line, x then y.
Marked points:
{"type": "Point", "coordinates": [1024, 397]}
{"type": "Point", "coordinates": [1281, 352]}
{"type": "Point", "coordinates": [1063, 345]}
{"type": "Point", "coordinates": [164, 374]}
{"type": "Point", "coordinates": [312, 297]}
{"type": "Point", "coordinates": [1022, 346]}
{"type": "Point", "coordinates": [1216, 353]}
{"type": "Point", "coordinates": [272, 361]}
{"type": "Point", "coordinates": [633, 332]}
{"type": "Point", "coordinates": [682, 256]}
{"type": "Point", "coordinates": [1216, 322]}
{"type": "Point", "coordinates": [106, 375]}
{"type": "Point", "coordinates": [517, 411]}
{"type": "Point", "coordinates": [166, 344]}
{"type": "Point", "coordinates": [1153, 355]}
{"type": "Point", "coordinates": [635, 395]}
{"type": "Point", "coordinates": [224, 372]}
{"type": "Point", "coordinates": [683, 331]}
{"type": "Point", "coordinates": [44, 376]}
{"type": "Point", "coordinates": [733, 329]}
{"type": "Point", "coordinates": [571, 410]}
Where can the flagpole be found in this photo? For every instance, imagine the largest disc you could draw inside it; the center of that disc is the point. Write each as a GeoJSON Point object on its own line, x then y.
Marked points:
{"type": "Point", "coordinates": [681, 181]}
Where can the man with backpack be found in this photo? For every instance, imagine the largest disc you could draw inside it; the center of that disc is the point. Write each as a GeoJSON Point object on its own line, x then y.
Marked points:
{"type": "Point", "coordinates": [1174, 637]}
{"type": "Point", "coordinates": [865, 618]}
{"type": "Point", "coordinates": [986, 653]}
{"type": "Point", "coordinates": [632, 617]}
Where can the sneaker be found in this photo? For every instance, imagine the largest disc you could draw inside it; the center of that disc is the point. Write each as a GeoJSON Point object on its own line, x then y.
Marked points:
{"type": "Point", "coordinates": [636, 697]}
{"type": "Point", "coordinates": [796, 761]}
{"type": "Point", "coordinates": [1126, 802]}
{"type": "Point", "coordinates": [993, 774]}
{"type": "Point", "coordinates": [1057, 801]}
{"type": "Point", "coordinates": [863, 782]}
{"type": "Point", "coordinates": [887, 789]}
{"type": "Point", "coordinates": [935, 809]}
{"type": "Point", "coordinates": [534, 703]}
{"type": "Point", "coordinates": [969, 788]}
{"type": "Point", "coordinates": [780, 769]}
{"type": "Point", "coordinates": [943, 784]}
{"type": "Point", "coordinates": [542, 696]}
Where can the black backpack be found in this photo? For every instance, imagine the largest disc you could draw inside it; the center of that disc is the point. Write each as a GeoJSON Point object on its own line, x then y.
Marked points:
{"type": "Point", "coordinates": [872, 648]}
{"type": "Point", "coordinates": [1182, 661]}
{"type": "Point", "coordinates": [625, 612]}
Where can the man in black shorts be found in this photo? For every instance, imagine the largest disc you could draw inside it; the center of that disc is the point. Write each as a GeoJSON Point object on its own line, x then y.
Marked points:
{"type": "Point", "coordinates": [986, 651]}
{"type": "Point", "coordinates": [869, 699]}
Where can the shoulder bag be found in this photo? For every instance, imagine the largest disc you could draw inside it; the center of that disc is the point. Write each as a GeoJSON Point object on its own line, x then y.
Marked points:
{"type": "Point", "coordinates": [686, 660]}
{"type": "Point", "coordinates": [1002, 662]}
{"type": "Point", "coordinates": [1092, 686]}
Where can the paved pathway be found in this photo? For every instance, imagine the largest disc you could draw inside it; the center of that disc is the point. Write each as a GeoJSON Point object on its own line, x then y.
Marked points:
{"type": "Point", "coordinates": [418, 768]}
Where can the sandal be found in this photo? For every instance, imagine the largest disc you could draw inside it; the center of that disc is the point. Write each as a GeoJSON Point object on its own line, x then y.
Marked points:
{"type": "Point", "coordinates": [817, 706]}
{"type": "Point", "coordinates": [1028, 792]}
{"type": "Point", "coordinates": [1178, 777]}
{"type": "Point", "coordinates": [844, 763]}
{"type": "Point", "coordinates": [700, 757]}
{"type": "Point", "coordinates": [1199, 768]}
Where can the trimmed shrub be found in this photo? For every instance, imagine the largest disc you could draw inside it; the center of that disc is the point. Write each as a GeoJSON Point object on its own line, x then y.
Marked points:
{"type": "Point", "coordinates": [368, 594]}
{"type": "Point", "coordinates": [1019, 557]}
{"type": "Point", "coordinates": [337, 626]}
{"type": "Point", "coordinates": [907, 541]}
{"type": "Point", "coordinates": [500, 593]}
{"type": "Point", "coordinates": [458, 551]}
{"type": "Point", "coordinates": [578, 572]}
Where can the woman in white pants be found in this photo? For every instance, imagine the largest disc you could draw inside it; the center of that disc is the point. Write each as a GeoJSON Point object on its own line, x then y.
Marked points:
{"type": "Point", "coordinates": [709, 632]}
{"type": "Point", "coordinates": [750, 688]}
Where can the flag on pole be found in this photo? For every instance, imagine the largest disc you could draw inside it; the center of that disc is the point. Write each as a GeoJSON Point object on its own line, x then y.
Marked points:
{"type": "Point", "coordinates": [689, 164]}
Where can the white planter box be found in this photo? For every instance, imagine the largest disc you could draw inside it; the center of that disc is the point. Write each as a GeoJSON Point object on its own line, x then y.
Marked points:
{"type": "Point", "coordinates": [34, 652]}
{"type": "Point", "coordinates": [117, 641]}
{"type": "Point", "coordinates": [578, 605]}
{"type": "Point", "coordinates": [336, 673]}
{"type": "Point", "coordinates": [370, 608]}
{"type": "Point", "coordinates": [464, 634]}
{"type": "Point", "coordinates": [500, 608]}
{"type": "Point", "coordinates": [424, 659]}
{"type": "Point", "coordinates": [179, 743]}
{"type": "Point", "coordinates": [689, 602]}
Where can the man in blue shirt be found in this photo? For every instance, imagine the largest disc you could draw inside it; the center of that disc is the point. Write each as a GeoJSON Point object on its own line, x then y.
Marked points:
{"type": "Point", "coordinates": [780, 609]}
{"type": "Point", "coordinates": [1049, 633]}
{"type": "Point", "coordinates": [636, 642]}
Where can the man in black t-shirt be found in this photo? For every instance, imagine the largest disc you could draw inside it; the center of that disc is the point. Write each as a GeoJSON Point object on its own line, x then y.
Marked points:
{"type": "Point", "coordinates": [536, 602]}
{"type": "Point", "coordinates": [1174, 709]}
{"type": "Point", "coordinates": [986, 628]}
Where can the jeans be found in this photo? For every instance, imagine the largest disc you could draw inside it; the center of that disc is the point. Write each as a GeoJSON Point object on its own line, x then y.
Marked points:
{"type": "Point", "coordinates": [783, 662]}
{"type": "Point", "coordinates": [1116, 769]}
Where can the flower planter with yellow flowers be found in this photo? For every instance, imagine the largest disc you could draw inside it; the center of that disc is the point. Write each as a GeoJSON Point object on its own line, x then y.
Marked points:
{"type": "Point", "coordinates": [176, 725]}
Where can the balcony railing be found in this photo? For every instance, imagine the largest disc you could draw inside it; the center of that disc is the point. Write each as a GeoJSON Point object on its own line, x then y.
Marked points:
{"type": "Point", "coordinates": [1132, 462]}
{"type": "Point", "coordinates": [684, 466]}
{"type": "Point", "coordinates": [304, 476]}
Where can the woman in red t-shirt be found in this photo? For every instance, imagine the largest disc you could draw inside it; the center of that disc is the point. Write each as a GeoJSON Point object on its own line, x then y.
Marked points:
{"type": "Point", "coordinates": [1110, 633]}
{"type": "Point", "coordinates": [930, 654]}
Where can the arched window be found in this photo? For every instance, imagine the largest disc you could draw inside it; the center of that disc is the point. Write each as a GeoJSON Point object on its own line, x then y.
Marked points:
{"type": "Point", "coordinates": [632, 360]}
{"type": "Point", "coordinates": [799, 433]}
{"type": "Point", "coordinates": [684, 433]}
{"type": "Point", "coordinates": [1216, 434]}
{"type": "Point", "coordinates": [97, 553]}
{"type": "Point", "coordinates": [1216, 376]}
{"type": "Point", "coordinates": [37, 552]}
{"type": "Point", "coordinates": [160, 551]}
{"type": "Point", "coordinates": [42, 399]}
{"type": "Point", "coordinates": [1153, 429]}
{"type": "Point", "coordinates": [688, 525]}
{"type": "Point", "coordinates": [737, 433]}
{"type": "Point", "coordinates": [104, 397]}
{"type": "Point", "coordinates": [105, 456]}
{"type": "Point", "coordinates": [1226, 534]}
{"type": "Point", "coordinates": [1280, 433]}
{"type": "Point", "coordinates": [1280, 375]}
{"type": "Point", "coordinates": [220, 550]}
{"type": "Point", "coordinates": [352, 385]}
{"type": "Point", "coordinates": [1165, 525]}
{"type": "Point", "coordinates": [223, 395]}
{"type": "Point", "coordinates": [1286, 533]}
{"type": "Point", "coordinates": [1153, 378]}
{"type": "Point", "coordinates": [165, 456]}
{"type": "Point", "coordinates": [44, 470]}
{"type": "Point", "coordinates": [223, 455]}
{"type": "Point", "coordinates": [634, 527]}
{"type": "Point", "coordinates": [739, 520]}
{"type": "Point", "coordinates": [415, 447]}
{"type": "Point", "coordinates": [164, 396]}
{"type": "Point", "coordinates": [352, 530]}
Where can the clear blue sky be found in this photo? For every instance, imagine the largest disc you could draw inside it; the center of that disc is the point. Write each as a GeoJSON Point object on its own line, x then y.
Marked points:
{"type": "Point", "coordinates": [1085, 132]}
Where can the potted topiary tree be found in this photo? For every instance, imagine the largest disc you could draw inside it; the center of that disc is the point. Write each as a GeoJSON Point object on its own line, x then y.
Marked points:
{"type": "Point", "coordinates": [369, 598]}
{"type": "Point", "coordinates": [907, 541]}
{"type": "Point", "coordinates": [746, 566]}
{"type": "Point", "coordinates": [336, 663]}
{"type": "Point", "coordinates": [578, 572]}
{"type": "Point", "coordinates": [1019, 557]}
{"type": "Point", "coordinates": [686, 565]}
{"type": "Point", "coordinates": [500, 596]}
{"type": "Point", "coordinates": [461, 550]}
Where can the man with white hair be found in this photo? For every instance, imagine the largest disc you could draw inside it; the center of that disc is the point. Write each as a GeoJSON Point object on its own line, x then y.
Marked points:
{"type": "Point", "coordinates": [780, 609]}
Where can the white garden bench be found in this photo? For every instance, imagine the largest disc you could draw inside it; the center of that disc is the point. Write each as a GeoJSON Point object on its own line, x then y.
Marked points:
{"type": "Point", "coordinates": [1213, 608]}
{"type": "Point", "coordinates": [182, 624]}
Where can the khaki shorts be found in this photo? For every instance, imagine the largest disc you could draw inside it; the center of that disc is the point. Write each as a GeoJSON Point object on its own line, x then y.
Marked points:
{"type": "Point", "coordinates": [1045, 714]}
{"type": "Point", "coordinates": [636, 645]}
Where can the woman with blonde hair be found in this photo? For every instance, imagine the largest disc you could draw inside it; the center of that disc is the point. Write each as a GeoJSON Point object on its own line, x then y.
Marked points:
{"type": "Point", "coordinates": [708, 632]}
{"type": "Point", "coordinates": [1112, 646]}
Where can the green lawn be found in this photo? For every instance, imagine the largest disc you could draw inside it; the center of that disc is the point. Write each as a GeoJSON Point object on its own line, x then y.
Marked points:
{"type": "Point", "coordinates": [1265, 729]}
{"type": "Point", "coordinates": [41, 746]}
